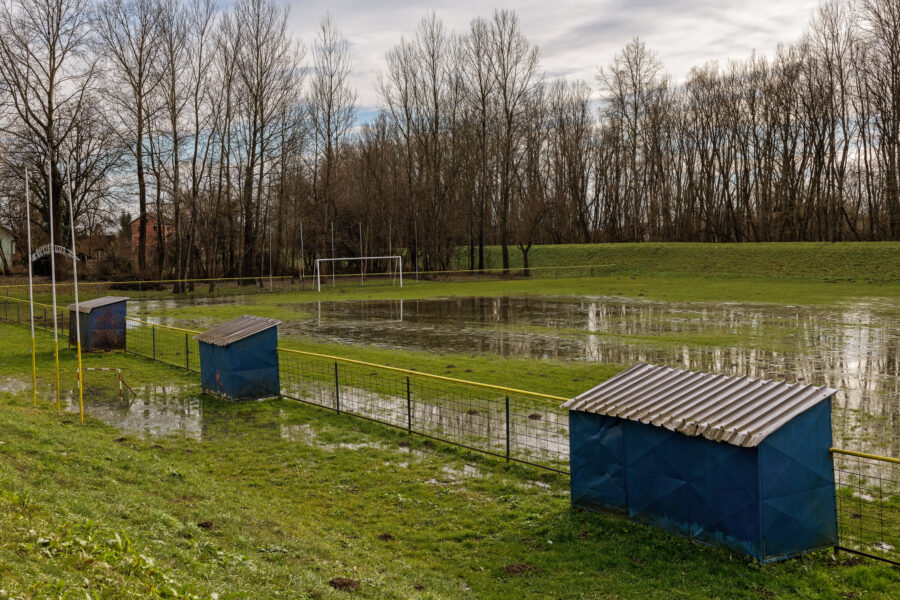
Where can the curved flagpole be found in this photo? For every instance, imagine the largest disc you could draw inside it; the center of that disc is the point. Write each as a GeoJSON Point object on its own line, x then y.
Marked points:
{"type": "Point", "coordinates": [53, 273]}
{"type": "Point", "coordinates": [75, 275]}
{"type": "Point", "coordinates": [30, 291]}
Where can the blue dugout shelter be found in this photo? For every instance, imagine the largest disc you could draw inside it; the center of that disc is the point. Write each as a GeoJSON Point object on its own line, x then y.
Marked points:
{"type": "Point", "coordinates": [239, 359]}
{"type": "Point", "coordinates": [731, 461]}
{"type": "Point", "coordinates": [102, 323]}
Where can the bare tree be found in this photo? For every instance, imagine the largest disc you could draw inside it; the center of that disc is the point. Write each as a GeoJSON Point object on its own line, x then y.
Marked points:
{"type": "Point", "coordinates": [129, 43]}
{"type": "Point", "coordinates": [46, 69]}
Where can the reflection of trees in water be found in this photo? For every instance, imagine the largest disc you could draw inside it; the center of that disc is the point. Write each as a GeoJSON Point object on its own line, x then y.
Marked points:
{"type": "Point", "coordinates": [853, 349]}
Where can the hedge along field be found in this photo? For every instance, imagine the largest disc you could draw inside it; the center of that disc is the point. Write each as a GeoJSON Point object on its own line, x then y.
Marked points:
{"type": "Point", "coordinates": [277, 499]}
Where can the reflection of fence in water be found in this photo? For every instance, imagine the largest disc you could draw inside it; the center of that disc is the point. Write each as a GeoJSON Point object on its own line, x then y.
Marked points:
{"type": "Point", "coordinates": [868, 504]}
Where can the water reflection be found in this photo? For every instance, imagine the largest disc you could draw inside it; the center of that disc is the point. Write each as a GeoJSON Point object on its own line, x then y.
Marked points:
{"type": "Point", "coordinates": [854, 348]}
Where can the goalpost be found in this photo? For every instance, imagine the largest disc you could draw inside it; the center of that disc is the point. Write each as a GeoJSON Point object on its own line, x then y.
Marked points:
{"type": "Point", "coordinates": [319, 261]}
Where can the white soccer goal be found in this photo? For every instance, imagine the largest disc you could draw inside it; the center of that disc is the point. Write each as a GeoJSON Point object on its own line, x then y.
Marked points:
{"type": "Point", "coordinates": [362, 259]}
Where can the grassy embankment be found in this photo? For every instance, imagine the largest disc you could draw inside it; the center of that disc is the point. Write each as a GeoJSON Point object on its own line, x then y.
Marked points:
{"type": "Point", "coordinates": [280, 498]}
{"type": "Point", "coordinates": [784, 273]}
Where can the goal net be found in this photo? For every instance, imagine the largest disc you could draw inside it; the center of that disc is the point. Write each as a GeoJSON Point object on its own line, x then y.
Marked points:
{"type": "Point", "coordinates": [368, 266]}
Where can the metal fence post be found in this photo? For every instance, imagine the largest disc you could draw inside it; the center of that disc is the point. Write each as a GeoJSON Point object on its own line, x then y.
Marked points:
{"type": "Point", "coordinates": [507, 429]}
{"type": "Point", "coordinates": [187, 360]}
{"type": "Point", "coordinates": [337, 390]}
{"type": "Point", "coordinates": [153, 337]}
{"type": "Point", "coordinates": [408, 408]}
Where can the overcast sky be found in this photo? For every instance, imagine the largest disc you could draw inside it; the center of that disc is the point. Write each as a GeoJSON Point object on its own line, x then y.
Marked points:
{"type": "Point", "coordinates": [575, 36]}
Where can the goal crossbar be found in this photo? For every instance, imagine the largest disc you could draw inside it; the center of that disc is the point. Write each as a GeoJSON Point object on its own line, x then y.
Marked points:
{"type": "Point", "coordinates": [396, 257]}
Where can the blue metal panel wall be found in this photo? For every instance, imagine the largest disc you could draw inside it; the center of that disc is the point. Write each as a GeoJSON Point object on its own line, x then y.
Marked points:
{"type": "Point", "coordinates": [244, 370]}
{"type": "Point", "coordinates": [254, 366]}
{"type": "Point", "coordinates": [215, 370]}
{"type": "Point", "coordinates": [597, 462]}
{"type": "Point", "coordinates": [656, 476]}
{"type": "Point", "coordinates": [689, 486]}
{"type": "Point", "coordinates": [723, 495]}
{"type": "Point", "coordinates": [101, 329]}
{"type": "Point", "coordinates": [798, 511]}
{"type": "Point", "coordinates": [106, 327]}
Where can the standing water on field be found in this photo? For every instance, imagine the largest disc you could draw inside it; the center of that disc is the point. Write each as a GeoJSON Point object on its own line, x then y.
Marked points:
{"type": "Point", "coordinates": [854, 348]}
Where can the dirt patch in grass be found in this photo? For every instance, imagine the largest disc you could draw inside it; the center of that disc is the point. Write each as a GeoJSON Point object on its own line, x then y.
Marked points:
{"type": "Point", "coordinates": [517, 568]}
{"type": "Point", "coordinates": [345, 584]}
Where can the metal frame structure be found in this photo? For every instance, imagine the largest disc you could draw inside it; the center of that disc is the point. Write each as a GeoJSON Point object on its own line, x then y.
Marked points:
{"type": "Point", "coordinates": [361, 258]}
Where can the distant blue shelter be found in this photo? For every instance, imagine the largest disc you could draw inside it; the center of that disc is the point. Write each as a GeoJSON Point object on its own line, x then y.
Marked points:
{"type": "Point", "coordinates": [730, 461]}
{"type": "Point", "coordinates": [239, 360]}
{"type": "Point", "coordinates": [102, 322]}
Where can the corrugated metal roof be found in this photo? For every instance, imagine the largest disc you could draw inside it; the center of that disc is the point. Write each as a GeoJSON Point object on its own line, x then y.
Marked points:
{"type": "Point", "coordinates": [737, 410]}
{"type": "Point", "coordinates": [238, 329]}
{"type": "Point", "coordinates": [89, 305]}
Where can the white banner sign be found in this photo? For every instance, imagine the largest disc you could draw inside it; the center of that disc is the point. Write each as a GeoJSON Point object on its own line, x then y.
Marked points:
{"type": "Point", "coordinates": [47, 249]}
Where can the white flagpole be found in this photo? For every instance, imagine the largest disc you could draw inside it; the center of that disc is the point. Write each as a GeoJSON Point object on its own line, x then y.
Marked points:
{"type": "Point", "coordinates": [53, 273]}
{"type": "Point", "coordinates": [75, 276]}
{"type": "Point", "coordinates": [30, 291]}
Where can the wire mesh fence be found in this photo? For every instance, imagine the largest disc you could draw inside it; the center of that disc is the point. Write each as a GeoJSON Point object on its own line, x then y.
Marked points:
{"type": "Point", "coordinates": [868, 504]}
{"type": "Point", "coordinates": [14, 310]}
{"type": "Point", "coordinates": [351, 275]}
{"type": "Point", "coordinates": [155, 289]}
{"type": "Point", "coordinates": [171, 345]}
{"type": "Point", "coordinates": [513, 424]}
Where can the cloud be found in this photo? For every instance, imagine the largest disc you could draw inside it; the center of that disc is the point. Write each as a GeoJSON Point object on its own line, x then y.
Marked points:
{"type": "Point", "coordinates": [575, 36]}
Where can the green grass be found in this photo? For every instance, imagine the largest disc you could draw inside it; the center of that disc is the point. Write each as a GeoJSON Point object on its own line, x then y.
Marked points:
{"type": "Point", "coordinates": [87, 512]}
{"type": "Point", "coordinates": [785, 273]}
{"type": "Point", "coordinates": [854, 262]}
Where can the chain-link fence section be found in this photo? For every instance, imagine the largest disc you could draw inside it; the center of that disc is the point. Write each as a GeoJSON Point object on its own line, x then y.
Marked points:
{"type": "Point", "coordinates": [868, 504]}
{"type": "Point", "coordinates": [171, 345]}
{"type": "Point", "coordinates": [14, 310]}
{"type": "Point", "coordinates": [512, 424]}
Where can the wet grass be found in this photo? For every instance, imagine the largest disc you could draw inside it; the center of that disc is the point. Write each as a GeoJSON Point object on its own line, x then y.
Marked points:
{"type": "Point", "coordinates": [783, 273]}
{"type": "Point", "coordinates": [246, 513]}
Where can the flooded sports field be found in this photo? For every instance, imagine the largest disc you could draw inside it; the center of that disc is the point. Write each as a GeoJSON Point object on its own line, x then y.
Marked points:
{"type": "Point", "coordinates": [854, 348]}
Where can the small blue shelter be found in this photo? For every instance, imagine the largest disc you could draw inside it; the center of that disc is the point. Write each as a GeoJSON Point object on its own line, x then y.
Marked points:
{"type": "Point", "coordinates": [102, 322]}
{"type": "Point", "coordinates": [730, 461]}
{"type": "Point", "coordinates": [239, 359]}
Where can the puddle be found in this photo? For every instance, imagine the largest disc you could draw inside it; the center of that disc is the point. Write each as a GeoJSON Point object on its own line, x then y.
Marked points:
{"type": "Point", "coordinates": [155, 411]}
{"type": "Point", "coordinates": [14, 385]}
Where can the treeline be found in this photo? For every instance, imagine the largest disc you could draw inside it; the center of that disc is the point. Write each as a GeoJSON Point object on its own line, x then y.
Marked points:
{"type": "Point", "coordinates": [219, 123]}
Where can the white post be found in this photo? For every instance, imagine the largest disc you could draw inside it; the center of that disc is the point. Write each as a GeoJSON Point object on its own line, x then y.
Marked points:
{"type": "Point", "coordinates": [333, 262]}
{"type": "Point", "coordinates": [400, 258]}
{"type": "Point", "coordinates": [53, 272]}
{"type": "Point", "coordinates": [318, 277]}
{"type": "Point", "coordinates": [75, 276]}
{"type": "Point", "coordinates": [30, 290]}
{"type": "Point", "coordinates": [362, 262]}
{"type": "Point", "coordinates": [301, 255]}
